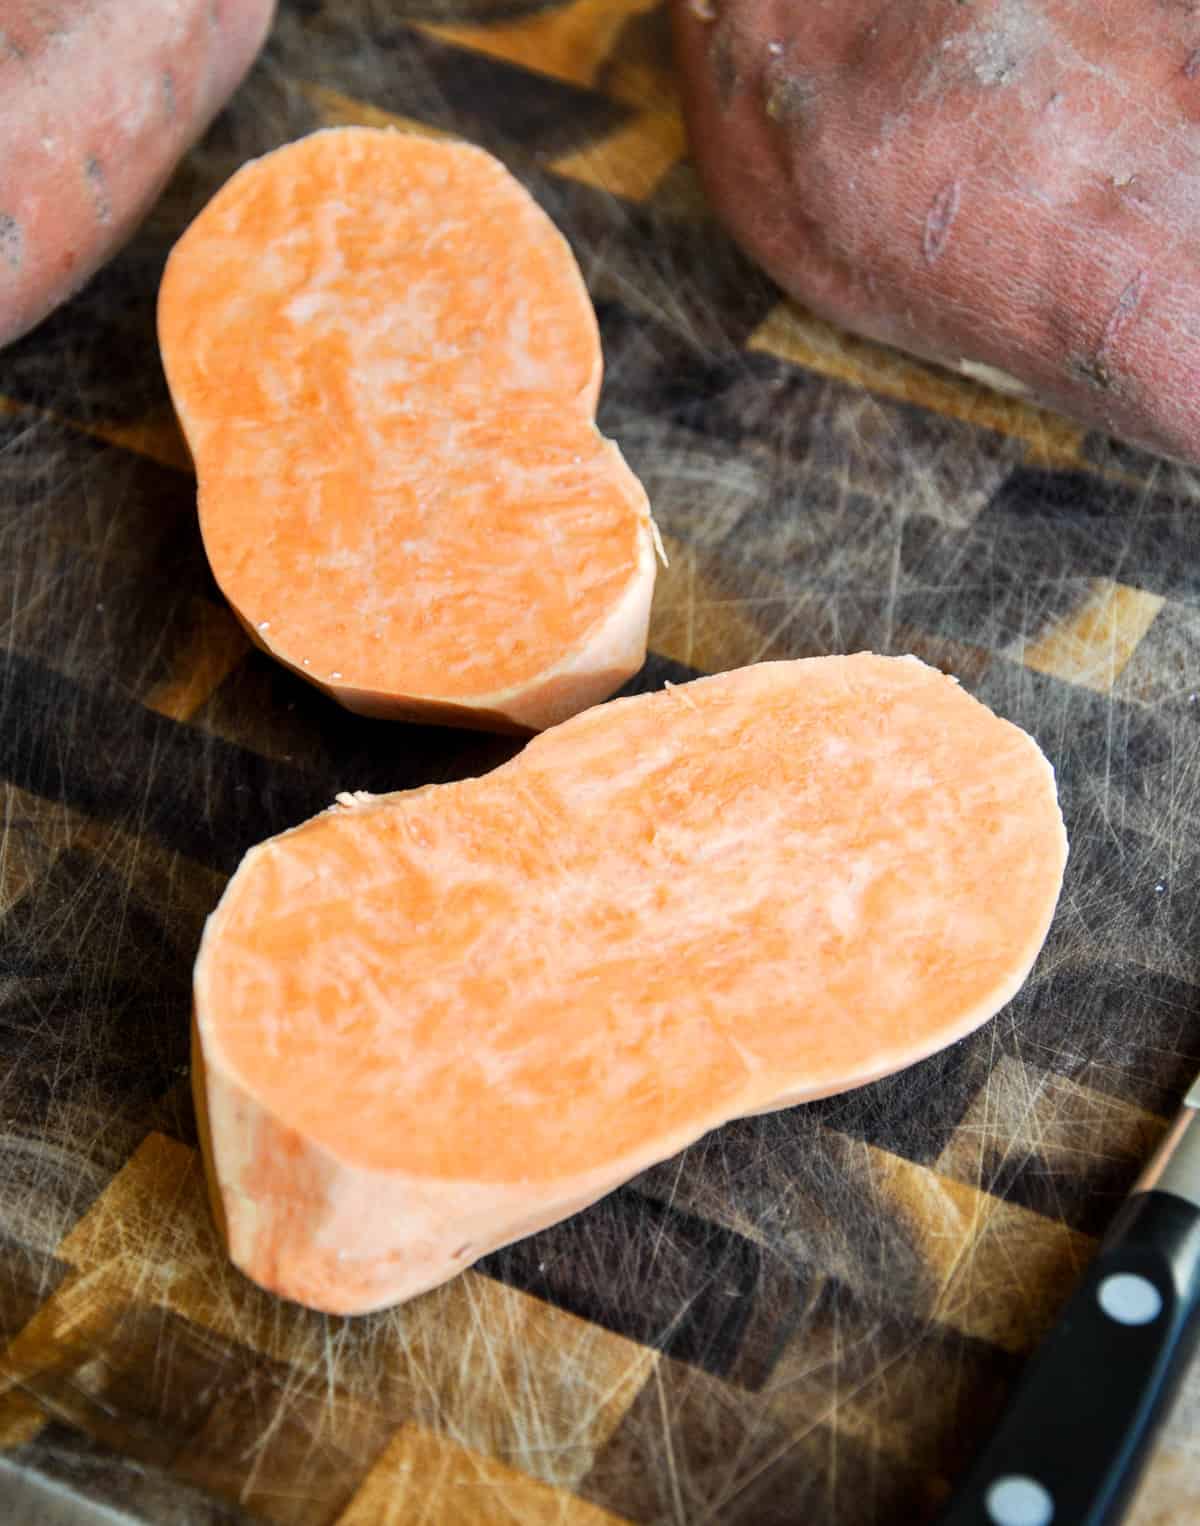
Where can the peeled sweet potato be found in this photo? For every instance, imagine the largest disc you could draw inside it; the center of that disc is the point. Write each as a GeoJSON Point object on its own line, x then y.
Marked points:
{"type": "Point", "coordinates": [98, 101]}
{"type": "Point", "coordinates": [1010, 185]}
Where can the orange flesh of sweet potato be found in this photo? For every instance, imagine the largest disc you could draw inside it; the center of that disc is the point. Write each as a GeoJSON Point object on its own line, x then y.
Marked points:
{"type": "Point", "coordinates": [386, 364]}
{"type": "Point", "coordinates": [429, 1023]}
{"type": "Point", "coordinates": [98, 102]}
{"type": "Point", "coordinates": [1002, 186]}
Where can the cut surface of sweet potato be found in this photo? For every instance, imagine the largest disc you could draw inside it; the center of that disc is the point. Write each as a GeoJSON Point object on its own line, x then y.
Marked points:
{"type": "Point", "coordinates": [431, 1022]}
{"type": "Point", "coordinates": [386, 364]}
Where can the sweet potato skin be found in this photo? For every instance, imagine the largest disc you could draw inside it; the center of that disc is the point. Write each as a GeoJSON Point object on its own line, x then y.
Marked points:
{"type": "Point", "coordinates": [98, 101]}
{"type": "Point", "coordinates": [1008, 183]}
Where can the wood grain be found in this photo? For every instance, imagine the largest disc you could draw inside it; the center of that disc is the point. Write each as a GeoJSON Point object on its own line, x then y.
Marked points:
{"type": "Point", "coordinates": [807, 1316]}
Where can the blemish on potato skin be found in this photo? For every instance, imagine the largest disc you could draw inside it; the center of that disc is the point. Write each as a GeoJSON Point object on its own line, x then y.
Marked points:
{"type": "Point", "coordinates": [9, 48]}
{"type": "Point", "coordinates": [703, 10]}
{"type": "Point", "coordinates": [1127, 305]}
{"type": "Point", "coordinates": [788, 99]}
{"type": "Point", "coordinates": [94, 171]}
{"type": "Point", "coordinates": [1093, 370]}
{"type": "Point", "coordinates": [994, 63]}
{"type": "Point", "coordinates": [1100, 369]}
{"type": "Point", "coordinates": [1192, 68]}
{"type": "Point", "coordinates": [939, 221]}
{"type": "Point", "coordinates": [12, 241]}
{"type": "Point", "coordinates": [996, 44]}
{"type": "Point", "coordinates": [168, 90]}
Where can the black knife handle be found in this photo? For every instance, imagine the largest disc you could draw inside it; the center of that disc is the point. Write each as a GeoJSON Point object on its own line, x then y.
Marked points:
{"type": "Point", "coordinates": [1070, 1446]}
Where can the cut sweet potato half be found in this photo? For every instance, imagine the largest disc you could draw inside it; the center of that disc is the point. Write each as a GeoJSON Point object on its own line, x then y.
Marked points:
{"type": "Point", "coordinates": [386, 364]}
{"type": "Point", "coordinates": [429, 1023]}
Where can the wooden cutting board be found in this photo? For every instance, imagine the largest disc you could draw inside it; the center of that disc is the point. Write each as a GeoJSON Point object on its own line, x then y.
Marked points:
{"type": "Point", "coordinates": [806, 1318]}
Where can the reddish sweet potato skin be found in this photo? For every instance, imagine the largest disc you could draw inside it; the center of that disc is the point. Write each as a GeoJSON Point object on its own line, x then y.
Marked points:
{"type": "Point", "coordinates": [98, 101]}
{"type": "Point", "coordinates": [1008, 182]}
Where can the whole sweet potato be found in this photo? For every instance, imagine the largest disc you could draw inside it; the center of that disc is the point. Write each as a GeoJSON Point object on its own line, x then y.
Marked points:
{"type": "Point", "coordinates": [98, 101]}
{"type": "Point", "coordinates": [1009, 184]}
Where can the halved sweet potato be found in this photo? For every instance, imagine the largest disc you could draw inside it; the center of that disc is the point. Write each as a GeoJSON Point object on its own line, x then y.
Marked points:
{"type": "Point", "coordinates": [429, 1023]}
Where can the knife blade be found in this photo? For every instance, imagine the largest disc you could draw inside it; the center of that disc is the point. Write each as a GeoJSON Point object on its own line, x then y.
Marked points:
{"type": "Point", "coordinates": [1071, 1445]}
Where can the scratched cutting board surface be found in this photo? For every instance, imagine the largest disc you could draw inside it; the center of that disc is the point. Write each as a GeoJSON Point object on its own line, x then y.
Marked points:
{"type": "Point", "coordinates": [811, 1317]}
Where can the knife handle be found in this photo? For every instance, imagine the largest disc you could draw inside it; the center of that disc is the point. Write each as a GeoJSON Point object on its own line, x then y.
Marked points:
{"type": "Point", "coordinates": [1070, 1446]}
